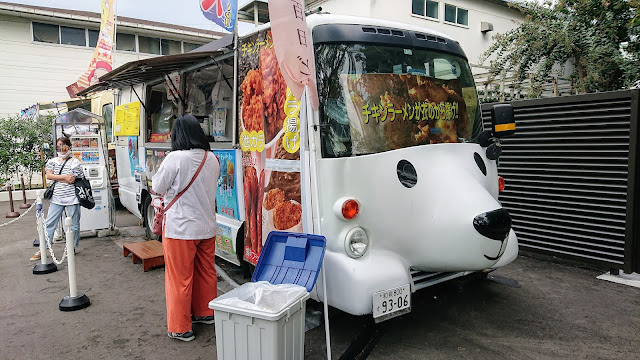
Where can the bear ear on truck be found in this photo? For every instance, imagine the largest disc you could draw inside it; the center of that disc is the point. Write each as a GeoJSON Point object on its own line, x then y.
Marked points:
{"type": "Point", "coordinates": [503, 125]}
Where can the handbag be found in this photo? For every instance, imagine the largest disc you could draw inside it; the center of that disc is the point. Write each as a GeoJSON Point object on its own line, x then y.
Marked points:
{"type": "Point", "coordinates": [48, 193]}
{"type": "Point", "coordinates": [84, 193]}
{"type": "Point", "coordinates": [161, 210]}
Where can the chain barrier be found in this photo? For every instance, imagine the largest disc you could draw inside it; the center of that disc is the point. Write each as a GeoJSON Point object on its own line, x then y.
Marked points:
{"type": "Point", "coordinates": [18, 218]}
{"type": "Point", "coordinates": [48, 241]}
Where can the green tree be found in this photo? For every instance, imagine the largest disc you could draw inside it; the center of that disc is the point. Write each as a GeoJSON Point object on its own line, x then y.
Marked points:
{"type": "Point", "coordinates": [600, 38]}
{"type": "Point", "coordinates": [20, 144]}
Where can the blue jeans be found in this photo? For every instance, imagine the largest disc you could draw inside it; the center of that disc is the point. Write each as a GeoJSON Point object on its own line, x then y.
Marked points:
{"type": "Point", "coordinates": [53, 216]}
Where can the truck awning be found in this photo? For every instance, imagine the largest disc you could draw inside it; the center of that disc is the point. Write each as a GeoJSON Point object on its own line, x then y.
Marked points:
{"type": "Point", "coordinates": [140, 71]}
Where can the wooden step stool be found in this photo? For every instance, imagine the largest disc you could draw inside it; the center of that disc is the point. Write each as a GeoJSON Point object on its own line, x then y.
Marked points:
{"type": "Point", "coordinates": [150, 252]}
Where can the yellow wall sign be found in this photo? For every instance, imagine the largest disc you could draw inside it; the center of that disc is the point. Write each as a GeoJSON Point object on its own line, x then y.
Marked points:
{"type": "Point", "coordinates": [127, 120]}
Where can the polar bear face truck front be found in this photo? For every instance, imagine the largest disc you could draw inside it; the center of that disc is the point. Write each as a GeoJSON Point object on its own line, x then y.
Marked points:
{"type": "Point", "coordinates": [403, 184]}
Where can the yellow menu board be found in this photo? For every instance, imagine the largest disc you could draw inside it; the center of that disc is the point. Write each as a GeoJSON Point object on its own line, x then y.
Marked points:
{"type": "Point", "coordinates": [127, 119]}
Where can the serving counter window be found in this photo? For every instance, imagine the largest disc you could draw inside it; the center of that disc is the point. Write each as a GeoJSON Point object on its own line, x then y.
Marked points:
{"type": "Point", "coordinates": [161, 112]}
{"type": "Point", "coordinates": [209, 97]}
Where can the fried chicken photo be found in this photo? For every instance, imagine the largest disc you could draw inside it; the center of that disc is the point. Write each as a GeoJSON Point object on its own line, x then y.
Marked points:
{"type": "Point", "coordinates": [274, 92]}
{"type": "Point", "coordinates": [286, 215]}
{"type": "Point", "coordinates": [252, 105]}
{"type": "Point", "coordinates": [273, 198]}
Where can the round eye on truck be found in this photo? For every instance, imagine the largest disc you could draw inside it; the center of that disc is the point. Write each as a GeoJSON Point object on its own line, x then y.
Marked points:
{"type": "Point", "coordinates": [356, 242]}
{"type": "Point", "coordinates": [346, 208]}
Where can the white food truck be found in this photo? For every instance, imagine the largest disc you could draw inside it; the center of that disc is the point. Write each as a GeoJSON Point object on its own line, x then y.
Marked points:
{"type": "Point", "coordinates": [393, 168]}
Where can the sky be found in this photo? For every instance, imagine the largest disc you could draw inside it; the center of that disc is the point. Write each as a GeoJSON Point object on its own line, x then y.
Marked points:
{"type": "Point", "coordinates": [177, 12]}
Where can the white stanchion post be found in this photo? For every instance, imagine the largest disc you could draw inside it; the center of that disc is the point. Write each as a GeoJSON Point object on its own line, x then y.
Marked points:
{"type": "Point", "coordinates": [44, 267]}
{"type": "Point", "coordinates": [74, 301]}
{"type": "Point", "coordinates": [41, 231]}
{"type": "Point", "coordinates": [71, 259]}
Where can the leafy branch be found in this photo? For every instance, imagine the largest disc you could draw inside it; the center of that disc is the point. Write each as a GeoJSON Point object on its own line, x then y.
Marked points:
{"type": "Point", "coordinates": [20, 145]}
{"type": "Point", "coordinates": [597, 41]}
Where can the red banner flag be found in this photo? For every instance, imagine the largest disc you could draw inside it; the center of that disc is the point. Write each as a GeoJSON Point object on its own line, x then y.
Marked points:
{"type": "Point", "coordinates": [102, 59]}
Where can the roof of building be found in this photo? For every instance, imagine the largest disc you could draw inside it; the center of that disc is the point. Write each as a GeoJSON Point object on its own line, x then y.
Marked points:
{"type": "Point", "coordinates": [95, 17]}
{"type": "Point", "coordinates": [502, 2]}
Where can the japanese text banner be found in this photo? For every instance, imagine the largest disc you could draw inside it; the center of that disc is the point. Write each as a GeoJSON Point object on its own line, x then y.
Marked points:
{"type": "Point", "coordinates": [294, 47]}
{"type": "Point", "coordinates": [102, 59]}
{"type": "Point", "coordinates": [395, 111]}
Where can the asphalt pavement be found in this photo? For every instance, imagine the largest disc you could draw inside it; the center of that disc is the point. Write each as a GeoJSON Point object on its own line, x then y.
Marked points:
{"type": "Point", "coordinates": [534, 308]}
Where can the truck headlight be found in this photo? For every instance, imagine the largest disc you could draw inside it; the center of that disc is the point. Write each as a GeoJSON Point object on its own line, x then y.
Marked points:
{"type": "Point", "coordinates": [356, 242]}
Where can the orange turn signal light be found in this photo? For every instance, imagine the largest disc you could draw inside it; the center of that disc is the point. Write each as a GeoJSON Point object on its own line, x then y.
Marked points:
{"type": "Point", "coordinates": [350, 209]}
{"type": "Point", "coordinates": [501, 184]}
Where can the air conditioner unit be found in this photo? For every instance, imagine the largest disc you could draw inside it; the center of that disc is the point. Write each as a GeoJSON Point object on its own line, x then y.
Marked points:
{"type": "Point", "coordinates": [486, 27]}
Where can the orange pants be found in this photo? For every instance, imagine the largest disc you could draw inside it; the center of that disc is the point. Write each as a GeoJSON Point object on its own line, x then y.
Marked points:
{"type": "Point", "coordinates": [190, 280]}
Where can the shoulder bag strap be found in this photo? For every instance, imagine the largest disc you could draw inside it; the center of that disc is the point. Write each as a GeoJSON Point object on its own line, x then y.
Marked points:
{"type": "Point", "coordinates": [60, 172]}
{"type": "Point", "coordinates": [192, 180]}
{"type": "Point", "coordinates": [63, 164]}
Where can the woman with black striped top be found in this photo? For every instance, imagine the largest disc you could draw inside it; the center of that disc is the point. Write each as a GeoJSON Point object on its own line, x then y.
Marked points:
{"type": "Point", "coordinates": [63, 170]}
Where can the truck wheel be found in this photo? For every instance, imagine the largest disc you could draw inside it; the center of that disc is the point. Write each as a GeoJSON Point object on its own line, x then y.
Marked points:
{"type": "Point", "coordinates": [149, 214]}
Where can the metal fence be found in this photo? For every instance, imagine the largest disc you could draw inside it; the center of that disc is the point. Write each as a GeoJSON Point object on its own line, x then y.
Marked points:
{"type": "Point", "coordinates": [571, 172]}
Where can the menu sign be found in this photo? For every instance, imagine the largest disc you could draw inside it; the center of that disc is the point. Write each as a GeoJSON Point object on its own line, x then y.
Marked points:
{"type": "Point", "coordinates": [224, 239]}
{"type": "Point", "coordinates": [79, 143]}
{"type": "Point", "coordinates": [227, 193]}
{"type": "Point", "coordinates": [85, 149]}
{"type": "Point", "coordinates": [127, 119]}
{"type": "Point", "coordinates": [270, 143]}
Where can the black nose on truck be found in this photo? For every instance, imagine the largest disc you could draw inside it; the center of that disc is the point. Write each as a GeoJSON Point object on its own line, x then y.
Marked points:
{"type": "Point", "coordinates": [493, 224]}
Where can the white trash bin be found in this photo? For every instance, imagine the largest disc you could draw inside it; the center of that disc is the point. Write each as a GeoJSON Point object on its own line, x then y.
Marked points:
{"type": "Point", "coordinates": [261, 321]}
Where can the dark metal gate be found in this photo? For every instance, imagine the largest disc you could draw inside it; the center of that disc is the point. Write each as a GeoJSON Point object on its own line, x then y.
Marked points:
{"type": "Point", "coordinates": [571, 172]}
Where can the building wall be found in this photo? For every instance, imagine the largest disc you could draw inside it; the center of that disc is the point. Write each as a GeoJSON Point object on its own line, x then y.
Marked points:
{"type": "Point", "coordinates": [470, 38]}
{"type": "Point", "coordinates": [33, 72]}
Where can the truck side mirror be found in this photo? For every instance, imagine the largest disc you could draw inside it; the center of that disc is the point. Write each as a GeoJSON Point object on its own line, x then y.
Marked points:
{"type": "Point", "coordinates": [502, 120]}
{"type": "Point", "coordinates": [485, 138]}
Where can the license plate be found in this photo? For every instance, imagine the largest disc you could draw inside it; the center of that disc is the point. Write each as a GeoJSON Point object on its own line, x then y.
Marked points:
{"type": "Point", "coordinates": [391, 303]}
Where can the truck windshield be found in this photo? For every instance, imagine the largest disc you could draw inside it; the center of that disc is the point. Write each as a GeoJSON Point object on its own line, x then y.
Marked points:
{"type": "Point", "coordinates": [376, 98]}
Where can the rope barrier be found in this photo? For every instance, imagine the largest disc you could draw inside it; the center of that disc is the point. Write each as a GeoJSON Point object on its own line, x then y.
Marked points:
{"type": "Point", "coordinates": [48, 241]}
{"type": "Point", "coordinates": [18, 218]}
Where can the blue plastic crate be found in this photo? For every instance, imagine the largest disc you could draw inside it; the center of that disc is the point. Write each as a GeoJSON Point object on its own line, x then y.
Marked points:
{"type": "Point", "coordinates": [290, 258]}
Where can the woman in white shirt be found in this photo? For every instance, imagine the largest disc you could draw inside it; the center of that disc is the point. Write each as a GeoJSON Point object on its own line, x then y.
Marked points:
{"type": "Point", "coordinates": [63, 170]}
{"type": "Point", "coordinates": [189, 229]}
